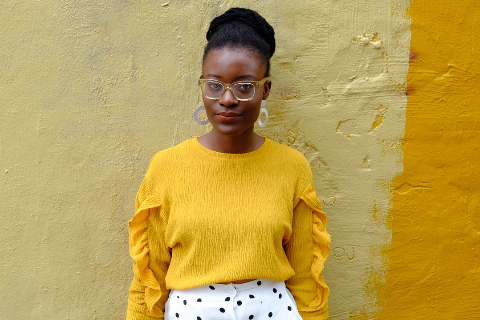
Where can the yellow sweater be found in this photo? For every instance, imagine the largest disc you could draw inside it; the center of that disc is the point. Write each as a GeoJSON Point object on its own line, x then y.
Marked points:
{"type": "Point", "coordinates": [206, 217]}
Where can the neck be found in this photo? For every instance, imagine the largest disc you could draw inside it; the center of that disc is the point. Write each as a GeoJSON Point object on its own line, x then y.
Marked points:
{"type": "Point", "coordinates": [242, 143]}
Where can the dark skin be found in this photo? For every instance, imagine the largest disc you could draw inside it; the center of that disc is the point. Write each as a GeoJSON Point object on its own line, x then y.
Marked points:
{"type": "Point", "coordinates": [236, 135]}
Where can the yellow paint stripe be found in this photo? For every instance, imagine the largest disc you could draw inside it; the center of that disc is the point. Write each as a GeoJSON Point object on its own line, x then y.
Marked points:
{"type": "Point", "coordinates": [434, 259]}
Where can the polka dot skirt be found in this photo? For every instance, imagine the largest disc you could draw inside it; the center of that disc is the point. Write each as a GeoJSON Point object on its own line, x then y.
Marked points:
{"type": "Point", "coordinates": [259, 300]}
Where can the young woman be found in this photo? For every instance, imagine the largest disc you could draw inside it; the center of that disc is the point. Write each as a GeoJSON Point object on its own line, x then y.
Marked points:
{"type": "Point", "coordinates": [228, 225]}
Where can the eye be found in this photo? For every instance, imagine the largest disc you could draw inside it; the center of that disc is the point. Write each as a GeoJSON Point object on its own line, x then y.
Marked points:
{"type": "Point", "coordinates": [245, 86]}
{"type": "Point", "coordinates": [214, 85]}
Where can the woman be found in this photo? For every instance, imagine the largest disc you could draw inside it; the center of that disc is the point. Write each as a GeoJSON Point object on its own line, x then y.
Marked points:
{"type": "Point", "coordinates": [228, 225]}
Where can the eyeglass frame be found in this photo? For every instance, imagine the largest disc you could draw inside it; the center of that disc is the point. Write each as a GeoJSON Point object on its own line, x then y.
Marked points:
{"type": "Point", "coordinates": [229, 86]}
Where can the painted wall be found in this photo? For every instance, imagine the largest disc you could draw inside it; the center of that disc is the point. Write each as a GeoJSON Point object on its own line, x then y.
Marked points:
{"type": "Point", "coordinates": [90, 90]}
{"type": "Point", "coordinates": [434, 257]}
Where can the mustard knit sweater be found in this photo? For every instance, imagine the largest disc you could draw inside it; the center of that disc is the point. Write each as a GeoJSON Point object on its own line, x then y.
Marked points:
{"type": "Point", "coordinates": [205, 217]}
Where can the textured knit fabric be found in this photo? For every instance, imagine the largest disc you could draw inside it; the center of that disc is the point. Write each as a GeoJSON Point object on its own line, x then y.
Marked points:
{"type": "Point", "coordinates": [205, 217]}
{"type": "Point", "coordinates": [261, 299]}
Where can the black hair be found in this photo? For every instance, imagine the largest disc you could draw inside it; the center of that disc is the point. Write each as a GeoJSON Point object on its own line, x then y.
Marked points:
{"type": "Point", "coordinates": [242, 28]}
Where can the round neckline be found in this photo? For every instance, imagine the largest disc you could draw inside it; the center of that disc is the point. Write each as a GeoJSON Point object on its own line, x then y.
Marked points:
{"type": "Point", "coordinates": [211, 152]}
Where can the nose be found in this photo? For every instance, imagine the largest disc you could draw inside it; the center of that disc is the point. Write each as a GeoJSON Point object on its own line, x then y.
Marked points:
{"type": "Point", "coordinates": [228, 99]}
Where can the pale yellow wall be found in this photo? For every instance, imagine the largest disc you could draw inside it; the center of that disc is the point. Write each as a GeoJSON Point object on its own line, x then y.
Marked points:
{"type": "Point", "coordinates": [90, 90]}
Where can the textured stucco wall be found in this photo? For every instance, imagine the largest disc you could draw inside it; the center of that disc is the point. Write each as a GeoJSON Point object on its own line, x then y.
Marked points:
{"type": "Point", "coordinates": [90, 90]}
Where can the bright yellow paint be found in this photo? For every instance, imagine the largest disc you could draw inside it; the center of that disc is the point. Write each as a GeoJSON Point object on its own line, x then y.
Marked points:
{"type": "Point", "coordinates": [434, 259]}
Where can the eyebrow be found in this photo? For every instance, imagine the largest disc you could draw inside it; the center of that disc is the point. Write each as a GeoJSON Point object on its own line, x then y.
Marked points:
{"type": "Point", "coordinates": [246, 76]}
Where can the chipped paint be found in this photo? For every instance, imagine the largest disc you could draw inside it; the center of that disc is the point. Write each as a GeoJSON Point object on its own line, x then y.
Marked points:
{"type": "Point", "coordinates": [379, 117]}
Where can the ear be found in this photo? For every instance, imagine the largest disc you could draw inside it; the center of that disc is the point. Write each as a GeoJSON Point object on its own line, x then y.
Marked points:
{"type": "Point", "coordinates": [267, 86]}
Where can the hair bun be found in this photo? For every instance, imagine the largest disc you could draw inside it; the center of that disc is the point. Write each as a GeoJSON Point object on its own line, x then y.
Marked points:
{"type": "Point", "coordinates": [249, 18]}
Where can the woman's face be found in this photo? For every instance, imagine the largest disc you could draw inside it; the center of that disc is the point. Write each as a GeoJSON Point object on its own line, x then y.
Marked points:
{"type": "Point", "coordinates": [228, 115]}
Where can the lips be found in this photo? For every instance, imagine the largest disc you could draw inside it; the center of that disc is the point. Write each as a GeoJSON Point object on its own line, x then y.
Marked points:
{"type": "Point", "coordinates": [228, 116]}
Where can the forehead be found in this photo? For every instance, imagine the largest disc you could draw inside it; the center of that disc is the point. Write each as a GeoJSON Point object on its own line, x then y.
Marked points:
{"type": "Point", "coordinates": [230, 64]}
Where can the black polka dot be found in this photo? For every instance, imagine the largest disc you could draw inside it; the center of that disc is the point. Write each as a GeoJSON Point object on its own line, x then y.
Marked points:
{"type": "Point", "coordinates": [289, 308]}
{"type": "Point", "coordinates": [274, 290]}
{"type": "Point", "coordinates": [239, 303]}
{"type": "Point", "coordinates": [199, 300]}
{"type": "Point", "coordinates": [280, 296]}
{"type": "Point", "coordinates": [270, 314]}
{"type": "Point", "coordinates": [259, 283]}
{"type": "Point", "coordinates": [251, 317]}
{"type": "Point", "coordinates": [251, 296]}
{"type": "Point", "coordinates": [177, 315]}
{"type": "Point", "coordinates": [178, 297]}
{"type": "Point", "coordinates": [222, 310]}
{"type": "Point", "coordinates": [198, 318]}
{"type": "Point", "coordinates": [185, 302]}
{"type": "Point", "coordinates": [227, 299]}
{"type": "Point", "coordinates": [212, 287]}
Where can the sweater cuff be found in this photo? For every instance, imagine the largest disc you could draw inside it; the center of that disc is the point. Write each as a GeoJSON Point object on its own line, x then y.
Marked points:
{"type": "Point", "coordinates": [318, 315]}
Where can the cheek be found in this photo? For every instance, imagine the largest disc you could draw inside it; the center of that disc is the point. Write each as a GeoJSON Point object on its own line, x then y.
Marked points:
{"type": "Point", "coordinates": [258, 104]}
{"type": "Point", "coordinates": [208, 104]}
{"type": "Point", "coordinates": [254, 110]}
{"type": "Point", "coordinates": [205, 100]}
{"type": "Point", "coordinates": [211, 106]}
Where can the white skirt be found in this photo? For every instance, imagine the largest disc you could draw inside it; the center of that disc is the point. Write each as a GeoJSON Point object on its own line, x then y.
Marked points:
{"type": "Point", "coordinates": [260, 299]}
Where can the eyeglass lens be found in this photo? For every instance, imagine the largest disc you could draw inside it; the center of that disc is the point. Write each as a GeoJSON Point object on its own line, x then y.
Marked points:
{"type": "Point", "coordinates": [214, 90]}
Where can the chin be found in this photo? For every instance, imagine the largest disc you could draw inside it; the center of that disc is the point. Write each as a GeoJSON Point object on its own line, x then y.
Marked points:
{"type": "Point", "coordinates": [229, 130]}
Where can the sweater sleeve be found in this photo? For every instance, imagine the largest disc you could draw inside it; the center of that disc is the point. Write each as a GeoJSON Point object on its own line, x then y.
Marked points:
{"type": "Point", "coordinates": [150, 255]}
{"type": "Point", "coordinates": [307, 251]}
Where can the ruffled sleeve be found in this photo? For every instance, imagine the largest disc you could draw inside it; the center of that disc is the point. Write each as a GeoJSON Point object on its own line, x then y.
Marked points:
{"type": "Point", "coordinates": [148, 293]}
{"type": "Point", "coordinates": [307, 251]}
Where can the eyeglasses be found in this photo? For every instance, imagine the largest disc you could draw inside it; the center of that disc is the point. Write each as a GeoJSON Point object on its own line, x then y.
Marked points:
{"type": "Point", "coordinates": [242, 90]}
